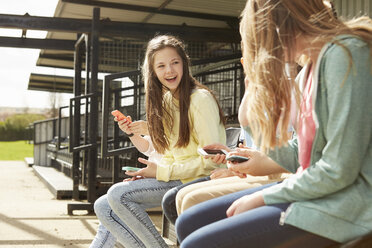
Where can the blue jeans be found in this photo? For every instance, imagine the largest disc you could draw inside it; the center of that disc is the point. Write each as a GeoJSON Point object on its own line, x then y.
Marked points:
{"type": "Point", "coordinates": [103, 238]}
{"type": "Point", "coordinates": [122, 211]}
{"type": "Point", "coordinates": [169, 200]}
{"type": "Point", "coordinates": [206, 225]}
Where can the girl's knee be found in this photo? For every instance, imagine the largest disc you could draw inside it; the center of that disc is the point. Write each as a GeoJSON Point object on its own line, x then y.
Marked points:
{"type": "Point", "coordinates": [185, 224]}
{"type": "Point", "coordinates": [192, 199]}
{"type": "Point", "coordinates": [180, 226]}
{"type": "Point", "coordinates": [116, 192]}
{"type": "Point", "coordinates": [169, 198]}
{"type": "Point", "coordinates": [101, 205]}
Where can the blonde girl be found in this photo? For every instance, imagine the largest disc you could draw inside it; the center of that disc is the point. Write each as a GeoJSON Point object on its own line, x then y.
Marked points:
{"type": "Point", "coordinates": [329, 198]}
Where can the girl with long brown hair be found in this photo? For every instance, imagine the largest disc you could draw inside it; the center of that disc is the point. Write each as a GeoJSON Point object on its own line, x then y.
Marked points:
{"type": "Point", "coordinates": [182, 115]}
{"type": "Point", "coordinates": [328, 199]}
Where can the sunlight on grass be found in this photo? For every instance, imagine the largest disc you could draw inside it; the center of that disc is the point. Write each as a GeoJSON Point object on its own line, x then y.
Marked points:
{"type": "Point", "coordinates": [15, 150]}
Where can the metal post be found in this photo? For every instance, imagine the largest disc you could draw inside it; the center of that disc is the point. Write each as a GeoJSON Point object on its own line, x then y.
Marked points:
{"type": "Point", "coordinates": [235, 89]}
{"type": "Point", "coordinates": [93, 116]}
{"type": "Point", "coordinates": [116, 169]}
{"type": "Point", "coordinates": [76, 123]}
{"type": "Point", "coordinates": [60, 127]}
{"type": "Point", "coordinates": [86, 137]}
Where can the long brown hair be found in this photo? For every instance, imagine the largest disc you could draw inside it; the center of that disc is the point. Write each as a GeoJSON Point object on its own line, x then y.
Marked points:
{"type": "Point", "coordinates": [158, 111]}
{"type": "Point", "coordinates": [268, 27]}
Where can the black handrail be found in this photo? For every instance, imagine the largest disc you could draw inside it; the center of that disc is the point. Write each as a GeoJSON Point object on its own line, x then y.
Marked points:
{"type": "Point", "coordinates": [72, 146]}
{"type": "Point", "coordinates": [106, 92]}
{"type": "Point", "coordinates": [58, 147]}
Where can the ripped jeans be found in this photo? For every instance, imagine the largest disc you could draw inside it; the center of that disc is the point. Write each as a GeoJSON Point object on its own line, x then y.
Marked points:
{"type": "Point", "coordinates": [122, 211]}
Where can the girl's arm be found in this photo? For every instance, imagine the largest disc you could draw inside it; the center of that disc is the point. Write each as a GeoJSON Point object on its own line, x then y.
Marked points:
{"type": "Point", "coordinates": [140, 143]}
{"type": "Point", "coordinates": [136, 128]}
{"type": "Point", "coordinates": [345, 120]}
{"type": "Point", "coordinates": [259, 164]}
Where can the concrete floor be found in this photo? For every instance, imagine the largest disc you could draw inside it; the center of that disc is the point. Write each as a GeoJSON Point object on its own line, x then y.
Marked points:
{"type": "Point", "coordinates": [30, 216]}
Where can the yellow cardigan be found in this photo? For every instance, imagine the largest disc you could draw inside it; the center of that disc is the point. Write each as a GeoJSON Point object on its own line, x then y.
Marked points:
{"type": "Point", "coordinates": [185, 163]}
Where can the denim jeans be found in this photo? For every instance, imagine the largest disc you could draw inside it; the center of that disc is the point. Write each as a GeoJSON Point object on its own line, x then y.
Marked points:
{"type": "Point", "coordinates": [122, 211]}
{"type": "Point", "coordinates": [206, 225]}
{"type": "Point", "coordinates": [169, 200]}
{"type": "Point", "coordinates": [103, 238]}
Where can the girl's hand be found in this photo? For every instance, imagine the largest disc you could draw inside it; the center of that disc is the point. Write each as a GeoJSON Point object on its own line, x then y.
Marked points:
{"type": "Point", "coordinates": [245, 203]}
{"type": "Point", "coordinates": [219, 159]}
{"type": "Point", "coordinates": [148, 172]}
{"type": "Point", "coordinates": [132, 179]}
{"type": "Point", "coordinates": [222, 172]}
{"type": "Point", "coordinates": [139, 127]}
{"type": "Point", "coordinates": [124, 124]}
{"type": "Point", "coordinates": [259, 164]}
{"type": "Point", "coordinates": [217, 146]}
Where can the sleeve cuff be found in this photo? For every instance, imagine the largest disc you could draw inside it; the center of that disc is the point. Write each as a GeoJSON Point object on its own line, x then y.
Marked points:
{"type": "Point", "coordinates": [162, 173]}
{"type": "Point", "coordinates": [271, 195]}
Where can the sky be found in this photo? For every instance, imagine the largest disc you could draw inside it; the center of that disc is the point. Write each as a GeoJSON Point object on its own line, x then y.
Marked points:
{"type": "Point", "coordinates": [16, 64]}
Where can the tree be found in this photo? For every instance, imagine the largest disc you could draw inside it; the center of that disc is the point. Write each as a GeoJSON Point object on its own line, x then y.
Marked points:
{"type": "Point", "coordinates": [54, 100]}
{"type": "Point", "coordinates": [15, 127]}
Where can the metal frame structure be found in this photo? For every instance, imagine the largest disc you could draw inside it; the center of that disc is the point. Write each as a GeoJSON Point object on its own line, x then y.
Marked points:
{"type": "Point", "coordinates": [231, 20]}
{"type": "Point", "coordinates": [91, 125]}
{"type": "Point", "coordinates": [59, 131]}
{"type": "Point", "coordinates": [107, 28]}
{"type": "Point", "coordinates": [84, 147]}
{"type": "Point", "coordinates": [106, 93]}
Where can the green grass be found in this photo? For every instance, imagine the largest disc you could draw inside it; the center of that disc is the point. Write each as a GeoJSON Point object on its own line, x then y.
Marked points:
{"type": "Point", "coordinates": [15, 150]}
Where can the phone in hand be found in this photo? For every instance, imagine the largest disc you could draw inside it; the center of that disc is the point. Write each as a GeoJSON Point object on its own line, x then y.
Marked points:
{"type": "Point", "coordinates": [119, 115]}
{"type": "Point", "coordinates": [237, 159]}
{"type": "Point", "coordinates": [129, 168]}
{"type": "Point", "coordinates": [211, 152]}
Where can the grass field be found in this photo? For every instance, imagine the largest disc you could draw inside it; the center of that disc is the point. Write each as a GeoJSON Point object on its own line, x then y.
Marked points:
{"type": "Point", "coordinates": [15, 150]}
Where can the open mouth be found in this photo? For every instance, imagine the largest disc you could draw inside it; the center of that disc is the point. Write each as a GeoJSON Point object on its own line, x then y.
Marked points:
{"type": "Point", "coordinates": [171, 79]}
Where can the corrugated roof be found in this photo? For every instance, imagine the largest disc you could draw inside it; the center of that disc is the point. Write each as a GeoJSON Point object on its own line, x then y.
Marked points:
{"type": "Point", "coordinates": [66, 9]}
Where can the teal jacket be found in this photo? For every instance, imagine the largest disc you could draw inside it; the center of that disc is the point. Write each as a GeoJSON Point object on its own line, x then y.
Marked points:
{"type": "Point", "coordinates": [333, 197]}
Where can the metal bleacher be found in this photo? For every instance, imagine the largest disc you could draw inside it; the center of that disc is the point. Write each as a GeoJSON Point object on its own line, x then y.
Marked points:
{"type": "Point", "coordinates": [92, 163]}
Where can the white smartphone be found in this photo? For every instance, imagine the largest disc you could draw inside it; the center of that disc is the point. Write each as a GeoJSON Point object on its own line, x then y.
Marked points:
{"type": "Point", "coordinates": [129, 168]}
{"type": "Point", "coordinates": [211, 152]}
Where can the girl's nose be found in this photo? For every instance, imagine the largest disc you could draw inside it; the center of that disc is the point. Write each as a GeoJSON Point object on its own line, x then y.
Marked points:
{"type": "Point", "coordinates": [169, 68]}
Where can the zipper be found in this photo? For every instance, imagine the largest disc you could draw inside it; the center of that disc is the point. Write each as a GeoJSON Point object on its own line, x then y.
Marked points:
{"type": "Point", "coordinates": [284, 214]}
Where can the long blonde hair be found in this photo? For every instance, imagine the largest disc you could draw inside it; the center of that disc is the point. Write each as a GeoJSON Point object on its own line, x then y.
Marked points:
{"type": "Point", "coordinates": [268, 27]}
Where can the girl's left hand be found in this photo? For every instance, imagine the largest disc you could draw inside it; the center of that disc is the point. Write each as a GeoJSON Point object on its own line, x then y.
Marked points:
{"type": "Point", "coordinates": [132, 179]}
{"type": "Point", "coordinates": [148, 172]}
{"type": "Point", "coordinates": [246, 203]}
{"type": "Point", "coordinates": [139, 127]}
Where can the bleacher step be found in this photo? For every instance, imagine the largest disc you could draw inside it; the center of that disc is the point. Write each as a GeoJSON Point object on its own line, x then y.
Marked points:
{"type": "Point", "coordinates": [29, 161]}
{"type": "Point", "coordinates": [58, 183]}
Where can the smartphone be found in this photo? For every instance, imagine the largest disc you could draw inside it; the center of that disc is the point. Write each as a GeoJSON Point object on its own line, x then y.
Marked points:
{"type": "Point", "coordinates": [237, 159]}
{"type": "Point", "coordinates": [119, 115]}
{"type": "Point", "coordinates": [129, 168]}
{"type": "Point", "coordinates": [211, 152]}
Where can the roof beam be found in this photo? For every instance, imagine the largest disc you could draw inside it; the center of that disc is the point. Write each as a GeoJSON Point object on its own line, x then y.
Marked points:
{"type": "Point", "coordinates": [173, 12]}
{"type": "Point", "coordinates": [187, 33]}
{"type": "Point", "coordinates": [55, 66]}
{"type": "Point", "coordinates": [45, 23]}
{"type": "Point", "coordinates": [53, 44]}
{"type": "Point", "coordinates": [63, 57]}
{"type": "Point", "coordinates": [162, 6]}
{"type": "Point", "coordinates": [124, 29]}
